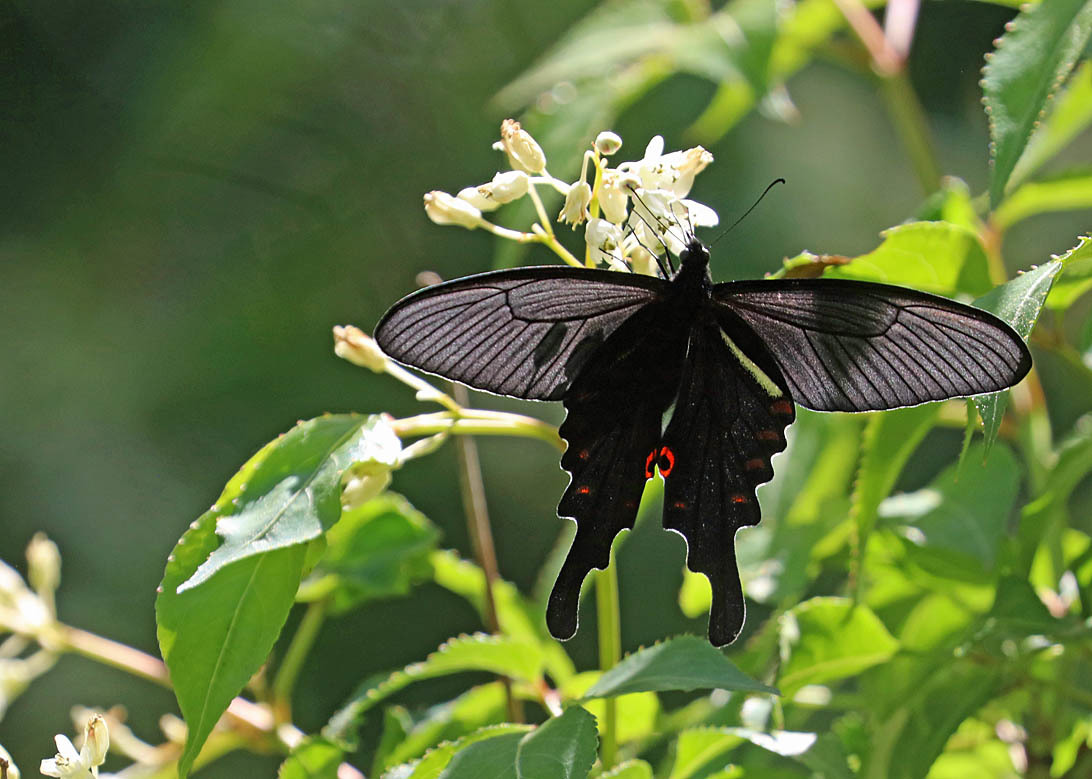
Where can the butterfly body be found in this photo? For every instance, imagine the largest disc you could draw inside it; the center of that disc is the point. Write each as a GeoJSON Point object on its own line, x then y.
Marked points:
{"type": "Point", "coordinates": [695, 380]}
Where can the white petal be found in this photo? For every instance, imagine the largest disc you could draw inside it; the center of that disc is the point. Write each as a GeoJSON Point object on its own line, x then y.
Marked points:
{"type": "Point", "coordinates": [700, 214]}
{"type": "Point", "coordinates": [655, 147]}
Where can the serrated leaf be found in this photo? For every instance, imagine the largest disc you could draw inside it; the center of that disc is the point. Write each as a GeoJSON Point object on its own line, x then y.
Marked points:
{"type": "Point", "coordinates": [1067, 192]}
{"type": "Point", "coordinates": [518, 660]}
{"type": "Point", "coordinates": [1071, 114]}
{"type": "Point", "coordinates": [216, 636]}
{"type": "Point", "coordinates": [682, 663]}
{"type": "Point", "coordinates": [933, 256]}
{"type": "Point", "coordinates": [637, 712]}
{"type": "Point", "coordinates": [1076, 276]}
{"type": "Point", "coordinates": [1031, 62]}
{"type": "Point", "coordinates": [376, 550]}
{"type": "Point", "coordinates": [476, 708]}
{"type": "Point", "coordinates": [314, 758]}
{"type": "Point", "coordinates": [560, 748]}
{"type": "Point", "coordinates": [890, 438]}
{"type": "Point", "coordinates": [1017, 302]}
{"type": "Point", "coordinates": [494, 758]}
{"type": "Point", "coordinates": [825, 639]}
{"type": "Point", "coordinates": [294, 494]}
{"type": "Point", "coordinates": [433, 763]}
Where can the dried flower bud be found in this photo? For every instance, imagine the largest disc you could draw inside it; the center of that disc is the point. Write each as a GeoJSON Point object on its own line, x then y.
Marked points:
{"type": "Point", "coordinates": [353, 344]}
{"type": "Point", "coordinates": [607, 143]}
{"type": "Point", "coordinates": [96, 741]}
{"type": "Point", "coordinates": [443, 209]}
{"type": "Point", "coordinates": [575, 209]}
{"type": "Point", "coordinates": [522, 149]}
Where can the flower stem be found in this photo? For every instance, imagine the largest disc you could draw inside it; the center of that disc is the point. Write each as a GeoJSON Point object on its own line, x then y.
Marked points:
{"type": "Point", "coordinates": [472, 488]}
{"type": "Point", "coordinates": [478, 422]}
{"type": "Point", "coordinates": [610, 652]}
{"type": "Point", "coordinates": [298, 649]}
{"type": "Point", "coordinates": [114, 654]}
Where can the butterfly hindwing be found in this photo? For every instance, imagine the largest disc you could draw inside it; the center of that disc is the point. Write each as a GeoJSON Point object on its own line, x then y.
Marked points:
{"type": "Point", "coordinates": [859, 346]}
{"type": "Point", "coordinates": [729, 420]}
{"type": "Point", "coordinates": [614, 416]}
{"type": "Point", "coordinates": [524, 333]}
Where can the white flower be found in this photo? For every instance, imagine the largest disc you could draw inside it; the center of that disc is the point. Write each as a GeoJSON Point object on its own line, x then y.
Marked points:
{"type": "Point", "coordinates": [607, 143]}
{"type": "Point", "coordinates": [504, 188]}
{"type": "Point", "coordinates": [614, 196]}
{"type": "Point", "coordinates": [656, 219]}
{"type": "Point", "coordinates": [359, 348]}
{"type": "Point", "coordinates": [43, 565]}
{"type": "Point", "coordinates": [522, 149]}
{"type": "Point", "coordinates": [575, 209]}
{"type": "Point", "coordinates": [673, 172]}
{"type": "Point", "coordinates": [443, 209]}
{"type": "Point", "coordinates": [70, 764]}
{"type": "Point", "coordinates": [603, 236]}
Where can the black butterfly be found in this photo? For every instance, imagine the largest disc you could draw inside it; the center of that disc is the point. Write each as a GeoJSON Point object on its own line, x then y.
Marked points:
{"type": "Point", "coordinates": [726, 362]}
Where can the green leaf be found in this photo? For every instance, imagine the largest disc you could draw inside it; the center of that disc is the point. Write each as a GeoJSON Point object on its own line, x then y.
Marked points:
{"type": "Point", "coordinates": [294, 493]}
{"type": "Point", "coordinates": [518, 660]}
{"type": "Point", "coordinates": [1017, 302]}
{"type": "Point", "coordinates": [1071, 114]}
{"type": "Point", "coordinates": [216, 636]}
{"type": "Point", "coordinates": [933, 256]}
{"type": "Point", "coordinates": [637, 712]}
{"type": "Point", "coordinates": [702, 750]}
{"type": "Point", "coordinates": [682, 663]}
{"type": "Point", "coordinates": [560, 748]}
{"type": "Point", "coordinates": [476, 708]}
{"type": "Point", "coordinates": [630, 769]}
{"type": "Point", "coordinates": [377, 550]}
{"type": "Point", "coordinates": [314, 758]}
{"type": "Point", "coordinates": [433, 764]}
{"type": "Point", "coordinates": [889, 439]}
{"type": "Point", "coordinates": [1032, 60]}
{"type": "Point", "coordinates": [1067, 192]}
{"type": "Point", "coordinates": [951, 203]}
{"type": "Point", "coordinates": [825, 639]}
{"type": "Point", "coordinates": [1076, 276]}
{"type": "Point", "coordinates": [959, 532]}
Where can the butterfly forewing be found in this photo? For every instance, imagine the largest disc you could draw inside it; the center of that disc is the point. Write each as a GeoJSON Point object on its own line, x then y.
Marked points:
{"type": "Point", "coordinates": [858, 346]}
{"type": "Point", "coordinates": [524, 333]}
{"type": "Point", "coordinates": [729, 420]}
{"type": "Point", "coordinates": [614, 416]}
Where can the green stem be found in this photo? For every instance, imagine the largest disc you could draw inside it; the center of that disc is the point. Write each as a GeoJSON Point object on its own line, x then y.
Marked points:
{"type": "Point", "coordinates": [298, 649]}
{"type": "Point", "coordinates": [478, 422]}
{"type": "Point", "coordinates": [610, 652]}
{"type": "Point", "coordinates": [910, 123]}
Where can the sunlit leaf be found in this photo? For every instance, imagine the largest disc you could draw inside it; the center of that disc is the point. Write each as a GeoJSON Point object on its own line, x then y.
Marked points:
{"type": "Point", "coordinates": [825, 639]}
{"type": "Point", "coordinates": [1070, 114]}
{"type": "Point", "coordinates": [1032, 60]}
{"type": "Point", "coordinates": [315, 758]}
{"type": "Point", "coordinates": [433, 763]}
{"type": "Point", "coordinates": [1017, 302]}
{"type": "Point", "coordinates": [637, 712]}
{"type": "Point", "coordinates": [1067, 192]}
{"type": "Point", "coordinates": [630, 769]}
{"type": "Point", "coordinates": [294, 494]}
{"type": "Point", "coordinates": [515, 659]}
{"type": "Point", "coordinates": [932, 256]}
{"type": "Point", "coordinates": [1076, 276]}
{"type": "Point", "coordinates": [682, 663]}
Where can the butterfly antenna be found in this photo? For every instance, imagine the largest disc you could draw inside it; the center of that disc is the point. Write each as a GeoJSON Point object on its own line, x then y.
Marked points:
{"type": "Point", "coordinates": [771, 185]}
{"type": "Point", "coordinates": [659, 262]}
{"type": "Point", "coordinates": [665, 226]}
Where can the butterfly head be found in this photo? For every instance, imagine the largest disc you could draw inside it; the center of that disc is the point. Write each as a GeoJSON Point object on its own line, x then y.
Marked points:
{"type": "Point", "coordinates": [694, 254]}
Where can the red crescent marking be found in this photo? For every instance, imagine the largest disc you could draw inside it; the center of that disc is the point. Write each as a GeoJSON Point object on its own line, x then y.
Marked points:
{"type": "Point", "coordinates": [670, 456]}
{"type": "Point", "coordinates": [648, 463]}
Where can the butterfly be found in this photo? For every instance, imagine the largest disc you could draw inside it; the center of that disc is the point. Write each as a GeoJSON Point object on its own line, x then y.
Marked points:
{"type": "Point", "coordinates": [693, 379]}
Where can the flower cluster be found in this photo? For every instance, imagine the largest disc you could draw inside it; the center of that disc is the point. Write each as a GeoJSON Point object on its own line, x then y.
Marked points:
{"type": "Point", "coordinates": [632, 211]}
{"type": "Point", "coordinates": [84, 763]}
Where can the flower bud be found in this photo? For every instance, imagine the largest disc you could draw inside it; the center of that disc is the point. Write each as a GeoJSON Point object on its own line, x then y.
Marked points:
{"type": "Point", "coordinates": [43, 564]}
{"type": "Point", "coordinates": [353, 344]}
{"type": "Point", "coordinates": [642, 261]}
{"type": "Point", "coordinates": [443, 209]}
{"type": "Point", "coordinates": [363, 481]}
{"type": "Point", "coordinates": [607, 143]}
{"type": "Point", "coordinates": [523, 151]}
{"type": "Point", "coordinates": [478, 197]}
{"type": "Point", "coordinates": [509, 185]}
{"type": "Point", "coordinates": [612, 198]}
{"type": "Point", "coordinates": [575, 209]}
{"type": "Point", "coordinates": [96, 741]}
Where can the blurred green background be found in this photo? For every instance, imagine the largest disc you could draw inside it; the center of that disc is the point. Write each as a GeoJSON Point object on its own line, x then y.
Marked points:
{"type": "Point", "coordinates": [195, 193]}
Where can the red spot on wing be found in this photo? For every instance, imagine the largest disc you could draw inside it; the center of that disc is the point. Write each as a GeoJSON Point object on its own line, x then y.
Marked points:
{"type": "Point", "coordinates": [739, 497]}
{"type": "Point", "coordinates": [755, 464]}
{"type": "Point", "coordinates": [667, 461]}
{"type": "Point", "coordinates": [583, 489]}
{"type": "Point", "coordinates": [768, 435]}
{"type": "Point", "coordinates": [583, 454]}
{"type": "Point", "coordinates": [680, 504]}
{"type": "Point", "coordinates": [782, 407]}
{"type": "Point", "coordinates": [649, 461]}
